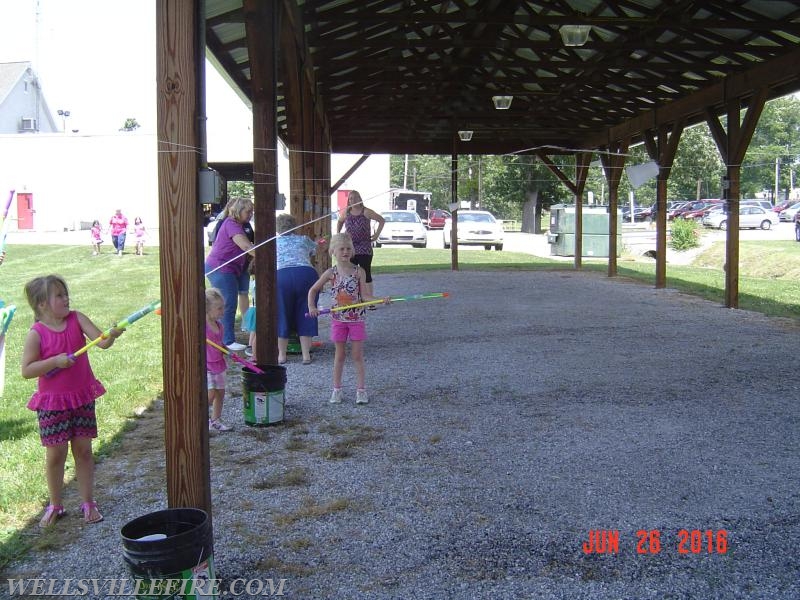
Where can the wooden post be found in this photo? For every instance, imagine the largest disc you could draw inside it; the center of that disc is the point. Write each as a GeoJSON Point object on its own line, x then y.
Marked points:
{"type": "Point", "coordinates": [182, 271]}
{"type": "Point", "coordinates": [454, 213]}
{"type": "Point", "coordinates": [613, 163]}
{"type": "Point", "coordinates": [261, 17]}
{"type": "Point", "coordinates": [732, 145]}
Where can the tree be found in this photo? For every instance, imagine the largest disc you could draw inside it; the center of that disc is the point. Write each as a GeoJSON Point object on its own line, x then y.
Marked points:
{"type": "Point", "coordinates": [776, 141]}
{"type": "Point", "coordinates": [241, 189]}
{"type": "Point", "coordinates": [697, 164]}
{"type": "Point", "coordinates": [130, 125]}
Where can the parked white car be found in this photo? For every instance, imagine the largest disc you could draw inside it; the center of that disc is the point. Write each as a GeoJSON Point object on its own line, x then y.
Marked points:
{"type": "Point", "coordinates": [475, 228]}
{"type": "Point", "coordinates": [750, 217]}
{"type": "Point", "coordinates": [788, 214]}
{"type": "Point", "coordinates": [402, 227]}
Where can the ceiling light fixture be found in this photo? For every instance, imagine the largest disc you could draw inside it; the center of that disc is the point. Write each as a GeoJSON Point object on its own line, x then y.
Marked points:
{"type": "Point", "coordinates": [575, 35]}
{"type": "Point", "coordinates": [502, 102]}
{"type": "Point", "coordinates": [465, 135]}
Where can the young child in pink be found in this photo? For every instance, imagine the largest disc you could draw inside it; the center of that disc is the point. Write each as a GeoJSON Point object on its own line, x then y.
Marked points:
{"type": "Point", "coordinates": [347, 282]}
{"type": "Point", "coordinates": [97, 237]}
{"type": "Point", "coordinates": [215, 359]}
{"type": "Point", "coordinates": [66, 392]}
{"type": "Point", "coordinates": [139, 234]}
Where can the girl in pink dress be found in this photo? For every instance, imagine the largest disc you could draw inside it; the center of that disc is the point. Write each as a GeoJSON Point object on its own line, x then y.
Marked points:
{"type": "Point", "coordinates": [97, 237]}
{"type": "Point", "coordinates": [64, 400]}
{"type": "Point", "coordinates": [139, 232]}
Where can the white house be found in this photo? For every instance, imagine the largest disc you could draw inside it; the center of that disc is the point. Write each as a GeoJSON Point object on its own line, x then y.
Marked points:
{"type": "Point", "coordinates": [23, 108]}
{"type": "Point", "coordinates": [65, 180]}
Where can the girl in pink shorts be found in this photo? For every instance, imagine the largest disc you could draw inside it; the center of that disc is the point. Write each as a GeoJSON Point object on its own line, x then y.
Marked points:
{"type": "Point", "coordinates": [215, 360]}
{"type": "Point", "coordinates": [347, 282]}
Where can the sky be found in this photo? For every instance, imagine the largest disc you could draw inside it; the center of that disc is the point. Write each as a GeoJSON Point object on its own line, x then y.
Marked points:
{"type": "Point", "coordinates": [96, 59]}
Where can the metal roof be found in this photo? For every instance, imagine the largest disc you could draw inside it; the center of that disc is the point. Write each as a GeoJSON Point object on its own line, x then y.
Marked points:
{"type": "Point", "coordinates": [395, 76]}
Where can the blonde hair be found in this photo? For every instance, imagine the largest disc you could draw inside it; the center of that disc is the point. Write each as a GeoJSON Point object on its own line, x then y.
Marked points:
{"type": "Point", "coordinates": [339, 239]}
{"type": "Point", "coordinates": [236, 206]}
{"type": "Point", "coordinates": [38, 291]}
{"type": "Point", "coordinates": [213, 295]}
{"type": "Point", "coordinates": [356, 200]}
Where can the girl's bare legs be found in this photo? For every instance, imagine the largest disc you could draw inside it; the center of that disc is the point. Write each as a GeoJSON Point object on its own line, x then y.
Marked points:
{"type": "Point", "coordinates": [55, 457]}
{"type": "Point", "coordinates": [251, 340]}
{"type": "Point", "coordinates": [215, 398]}
{"type": "Point", "coordinates": [305, 347]}
{"type": "Point", "coordinates": [244, 303]}
{"type": "Point", "coordinates": [368, 289]}
{"type": "Point", "coordinates": [357, 354]}
{"type": "Point", "coordinates": [283, 346]}
{"type": "Point", "coordinates": [84, 471]}
{"type": "Point", "coordinates": [338, 364]}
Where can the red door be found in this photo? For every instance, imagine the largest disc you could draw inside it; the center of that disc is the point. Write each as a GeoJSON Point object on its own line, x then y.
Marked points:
{"type": "Point", "coordinates": [341, 199]}
{"type": "Point", "coordinates": [24, 210]}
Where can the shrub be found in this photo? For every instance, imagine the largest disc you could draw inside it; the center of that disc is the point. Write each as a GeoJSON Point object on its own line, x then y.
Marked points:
{"type": "Point", "coordinates": [685, 234]}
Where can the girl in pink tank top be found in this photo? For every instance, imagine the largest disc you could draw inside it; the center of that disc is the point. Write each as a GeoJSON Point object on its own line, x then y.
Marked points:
{"type": "Point", "coordinates": [66, 392]}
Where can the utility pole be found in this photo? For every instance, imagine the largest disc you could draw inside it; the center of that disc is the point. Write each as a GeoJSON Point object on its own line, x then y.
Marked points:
{"type": "Point", "coordinates": [777, 176]}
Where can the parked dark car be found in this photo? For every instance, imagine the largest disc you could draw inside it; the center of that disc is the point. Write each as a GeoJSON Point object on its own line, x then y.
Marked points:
{"type": "Point", "coordinates": [436, 218]}
{"type": "Point", "coordinates": [677, 209]}
{"type": "Point", "coordinates": [639, 214]}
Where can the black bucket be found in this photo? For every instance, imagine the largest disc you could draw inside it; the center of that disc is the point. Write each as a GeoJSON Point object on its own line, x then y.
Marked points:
{"type": "Point", "coordinates": [170, 554]}
{"type": "Point", "coordinates": [263, 395]}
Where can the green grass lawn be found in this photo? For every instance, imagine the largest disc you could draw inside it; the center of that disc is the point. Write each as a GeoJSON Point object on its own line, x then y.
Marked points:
{"type": "Point", "coordinates": [108, 288]}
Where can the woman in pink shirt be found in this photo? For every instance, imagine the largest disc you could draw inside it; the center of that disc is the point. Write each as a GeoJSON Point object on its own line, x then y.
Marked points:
{"type": "Point", "coordinates": [118, 225]}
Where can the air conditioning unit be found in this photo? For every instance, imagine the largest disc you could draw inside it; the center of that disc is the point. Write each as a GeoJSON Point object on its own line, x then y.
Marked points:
{"type": "Point", "coordinates": [27, 124]}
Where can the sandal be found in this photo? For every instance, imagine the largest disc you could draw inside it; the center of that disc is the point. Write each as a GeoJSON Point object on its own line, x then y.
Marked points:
{"type": "Point", "coordinates": [88, 509]}
{"type": "Point", "coordinates": [308, 362]}
{"type": "Point", "coordinates": [52, 513]}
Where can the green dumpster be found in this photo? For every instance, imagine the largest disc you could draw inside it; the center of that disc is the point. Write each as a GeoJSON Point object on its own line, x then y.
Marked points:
{"type": "Point", "coordinates": [595, 231]}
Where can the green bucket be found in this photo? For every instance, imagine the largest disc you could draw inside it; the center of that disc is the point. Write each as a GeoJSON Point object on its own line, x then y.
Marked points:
{"type": "Point", "coordinates": [264, 395]}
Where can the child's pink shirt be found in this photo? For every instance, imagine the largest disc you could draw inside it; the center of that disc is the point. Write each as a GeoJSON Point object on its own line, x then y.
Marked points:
{"type": "Point", "coordinates": [68, 388]}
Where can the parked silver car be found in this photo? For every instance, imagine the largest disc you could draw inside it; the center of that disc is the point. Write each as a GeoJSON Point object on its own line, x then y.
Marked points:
{"type": "Point", "coordinates": [788, 214]}
{"type": "Point", "coordinates": [750, 217]}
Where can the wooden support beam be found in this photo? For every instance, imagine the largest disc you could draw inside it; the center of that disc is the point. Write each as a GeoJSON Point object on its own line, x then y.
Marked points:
{"type": "Point", "coordinates": [582, 160]}
{"type": "Point", "coordinates": [662, 148]}
{"type": "Point", "coordinates": [350, 171]}
{"type": "Point", "coordinates": [613, 161]}
{"type": "Point", "coordinates": [260, 17]}
{"type": "Point", "coordinates": [732, 145]}
{"type": "Point", "coordinates": [454, 213]}
{"type": "Point", "coordinates": [181, 257]}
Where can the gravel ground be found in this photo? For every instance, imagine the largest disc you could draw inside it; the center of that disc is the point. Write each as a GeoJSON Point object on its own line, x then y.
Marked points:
{"type": "Point", "coordinates": [505, 423]}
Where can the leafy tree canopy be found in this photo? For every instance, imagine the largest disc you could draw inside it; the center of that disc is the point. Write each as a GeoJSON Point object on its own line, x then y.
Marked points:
{"type": "Point", "coordinates": [501, 184]}
{"type": "Point", "coordinates": [130, 125]}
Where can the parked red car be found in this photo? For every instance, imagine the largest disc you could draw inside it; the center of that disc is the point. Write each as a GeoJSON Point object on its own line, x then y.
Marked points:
{"type": "Point", "coordinates": [696, 210]}
{"type": "Point", "coordinates": [436, 218]}
{"type": "Point", "coordinates": [783, 205]}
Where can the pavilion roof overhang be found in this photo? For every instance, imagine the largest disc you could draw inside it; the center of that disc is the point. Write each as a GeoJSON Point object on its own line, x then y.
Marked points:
{"type": "Point", "coordinates": [404, 77]}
